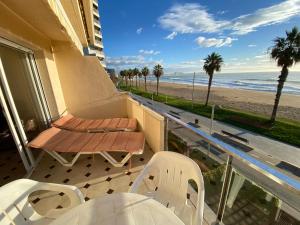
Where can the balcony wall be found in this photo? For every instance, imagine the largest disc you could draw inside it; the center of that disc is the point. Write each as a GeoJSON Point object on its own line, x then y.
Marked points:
{"type": "Point", "coordinates": [15, 27]}
{"type": "Point", "coordinates": [84, 81]}
{"type": "Point", "coordinates": [150, 122]}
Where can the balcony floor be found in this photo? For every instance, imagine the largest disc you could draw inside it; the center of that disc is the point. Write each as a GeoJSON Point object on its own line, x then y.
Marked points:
{"type": "Point", "coordinates": [94, 176]}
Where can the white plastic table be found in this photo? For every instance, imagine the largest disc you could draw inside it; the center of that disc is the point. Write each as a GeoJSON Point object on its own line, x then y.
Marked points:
{"type": "Point", "coordinates": [119, 209]}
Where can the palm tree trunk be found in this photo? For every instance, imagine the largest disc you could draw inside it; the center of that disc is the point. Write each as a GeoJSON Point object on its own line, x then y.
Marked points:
{"type": "Point", "coordinates": [281, 80]}
{"type": "Point", "coordinates": [126, 81]}
{"type": "Point", "coordinates": [145, 84]}
{"type": "Point", "coordinates": [208, 91]}
{"type": "Point", "coordinates": [135, 81]}
{"type": "Point", "coordinates": [157, 83]}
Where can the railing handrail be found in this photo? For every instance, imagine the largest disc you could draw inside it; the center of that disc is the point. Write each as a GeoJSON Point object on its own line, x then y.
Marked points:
{"type": "Point", "coordinates": [277, 176]}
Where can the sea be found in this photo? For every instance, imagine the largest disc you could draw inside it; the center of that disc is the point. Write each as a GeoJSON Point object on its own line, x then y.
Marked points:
{"type": "Point", "coordinates": [258, 81]}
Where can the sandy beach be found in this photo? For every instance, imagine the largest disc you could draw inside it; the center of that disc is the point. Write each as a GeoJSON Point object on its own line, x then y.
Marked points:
{"type": "Point", "coordinates": [246, 100]}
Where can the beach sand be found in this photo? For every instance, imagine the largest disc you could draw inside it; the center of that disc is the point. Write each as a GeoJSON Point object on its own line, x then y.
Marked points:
{"type": "Point", "coordinates": [245, 100]}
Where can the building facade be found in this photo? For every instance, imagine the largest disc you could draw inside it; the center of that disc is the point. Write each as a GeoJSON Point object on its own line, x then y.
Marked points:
{"type": "Point", "coordinates": [95, 42]}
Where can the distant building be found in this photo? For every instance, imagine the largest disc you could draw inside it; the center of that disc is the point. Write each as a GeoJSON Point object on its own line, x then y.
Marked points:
{"type": "Point", "coordinates": [94, 37]}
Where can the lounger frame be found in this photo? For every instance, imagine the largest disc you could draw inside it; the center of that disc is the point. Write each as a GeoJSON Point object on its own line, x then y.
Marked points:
{"type": "Point", "coordinates": [104, 154]}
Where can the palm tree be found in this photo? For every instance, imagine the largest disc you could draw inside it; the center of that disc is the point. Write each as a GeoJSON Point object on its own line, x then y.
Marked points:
{"type": "Point", "coordinates": [136, 73]}
{"type": "Point", "coordinates": [130, 76]}
{"type": "Point", "coordinates": [145, 73]}
{"type": "Point", "coordinates": [212, 63]}
{"type": "Point", "coordinates": [124, 76]}
{"type": "Point", "coordinates": [158, 71]}
{"type": "Point", "coordinates": [286, 52]}
{"type": "Point", "coordinates": [140, 76]}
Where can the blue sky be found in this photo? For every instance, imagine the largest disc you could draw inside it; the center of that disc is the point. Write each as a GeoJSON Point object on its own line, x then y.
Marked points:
{"type": "Point", "coordinates": [179, 34]}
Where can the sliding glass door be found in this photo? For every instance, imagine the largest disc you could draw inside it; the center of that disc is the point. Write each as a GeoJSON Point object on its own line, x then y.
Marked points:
{"type": "Point", "coordinates": [22, 97]}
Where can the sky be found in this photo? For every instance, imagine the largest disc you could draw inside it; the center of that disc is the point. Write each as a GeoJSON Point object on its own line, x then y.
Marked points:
{"type": "Point", "coordinates": [180, 34]}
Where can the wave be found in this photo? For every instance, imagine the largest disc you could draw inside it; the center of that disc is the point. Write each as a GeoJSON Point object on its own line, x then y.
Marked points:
{"type": "Point", "coordinates": [291, 86]}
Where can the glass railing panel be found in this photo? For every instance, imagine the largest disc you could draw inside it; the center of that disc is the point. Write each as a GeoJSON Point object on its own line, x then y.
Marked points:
{"type": "Point", "coordinates": [210, 160]}
{"type": "Point", "coordinates": [254, 196]}
{"type": "Point", "coordinates": [250, 203]}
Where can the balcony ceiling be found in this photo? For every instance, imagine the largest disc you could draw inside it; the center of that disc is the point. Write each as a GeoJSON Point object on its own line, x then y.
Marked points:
{"type": "Point", "coordinates": [39, 15]}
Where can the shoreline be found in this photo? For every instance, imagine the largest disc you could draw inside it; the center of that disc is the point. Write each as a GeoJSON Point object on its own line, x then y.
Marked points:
{"type": "Point", "coordinates": [260, 102]}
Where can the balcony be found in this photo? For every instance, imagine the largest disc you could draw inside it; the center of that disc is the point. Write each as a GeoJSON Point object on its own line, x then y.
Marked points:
{"type": "Point", "coordinates": [99, 35]}
{"type": "Point", "coordinates": [96, 12]}
{"type": "Point", "coordinates": [95, 2]}
{"type": "Point", "coordinates": [98, 43]}
{"type": "Point", "coordinates": [97, 24]}
{"type": "Point", "coordinates": [239, 189]}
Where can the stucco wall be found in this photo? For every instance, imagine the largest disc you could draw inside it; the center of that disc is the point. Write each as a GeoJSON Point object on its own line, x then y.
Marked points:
{"type": "Point", "coordinates": [84, 81]}
{"type": "Point", "coordinates": [51, 83]}
{"type": "Point", "coordinates": [150, 122]}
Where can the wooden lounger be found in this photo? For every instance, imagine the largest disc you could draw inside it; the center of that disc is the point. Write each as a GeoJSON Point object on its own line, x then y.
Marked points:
{"type": "Point", "coordinates": [70, 122]}
{"type": "Point", "coordinates": [55, 141]}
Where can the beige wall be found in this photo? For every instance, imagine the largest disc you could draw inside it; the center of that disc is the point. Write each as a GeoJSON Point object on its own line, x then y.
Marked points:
{"type": "Point", "coordinates": [73, 12]}
{"type": "Point", "coordinates": [51, 83]}
{"type": "Point", "coordinates": [14, 27]}
{"type": "Point", "coordinates": [84, 81]}
{"type": "Point", "coordinates": [107, 108]}
{"type": "Point", "coordinates": [150, 122]}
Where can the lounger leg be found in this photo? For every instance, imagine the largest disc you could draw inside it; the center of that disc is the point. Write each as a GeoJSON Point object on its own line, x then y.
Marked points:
{"type": "Point", "coordinates": [62, 160]}
{"type": "Point", "coordinates": [115, 162]}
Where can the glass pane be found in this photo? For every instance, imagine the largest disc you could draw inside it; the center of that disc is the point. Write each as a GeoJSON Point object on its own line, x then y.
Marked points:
{"type": "Point", "coordinates": [249, 203]}
{"type": "Point", "coordinates": [210, 160]}
{"type": "Point", "coordinates": [25, 98]}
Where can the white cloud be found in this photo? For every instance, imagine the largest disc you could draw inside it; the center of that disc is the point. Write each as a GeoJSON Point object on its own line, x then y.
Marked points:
{"type": "Point", "coordinates": [139, 30]}
{"type": "Point", "coordinates": [194, 18]}
{"type": "Point", "coordinates": [214, 42]}
{"type": "Point", "coordinates": [260, 56]}
{"type": "Point", "coordinates": [251, 45]}
{"type": "Point", "coordinates": [275, 14]}
{"type": "Point", "coordinates": [149, 52]}
{"type": "Point", "coordinates": [185, 66]}
{"type": "Point", "coordinates": [123, 62]}
{"type": "Point", "coordinates": [190, 18]}
{"type": "Point", "coordinates": [171, 36]}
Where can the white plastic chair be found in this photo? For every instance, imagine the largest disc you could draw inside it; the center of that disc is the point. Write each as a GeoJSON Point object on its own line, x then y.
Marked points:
{"type": "Point", "coordinates": [16, 209]}
{"type": "Point", "coordinates": [172, 172]}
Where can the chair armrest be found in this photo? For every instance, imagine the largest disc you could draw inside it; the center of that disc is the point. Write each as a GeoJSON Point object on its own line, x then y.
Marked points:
{"type": "Point", "coordinates": [138, 181]}
{"type": "Point", "coordinates": [75, 195]}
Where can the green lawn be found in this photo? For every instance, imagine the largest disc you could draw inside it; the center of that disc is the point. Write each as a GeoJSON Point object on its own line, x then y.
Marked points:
{"type": "Point", "coordinates": [283, 130]}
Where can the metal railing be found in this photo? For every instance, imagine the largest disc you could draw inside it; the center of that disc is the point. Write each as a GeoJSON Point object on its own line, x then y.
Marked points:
{"type": "Point", "coordinates": [263, 168]}
{"type": "Point", "coordinates": [289, 188]}
{"type": "Point", "coordinates": [273, 182]}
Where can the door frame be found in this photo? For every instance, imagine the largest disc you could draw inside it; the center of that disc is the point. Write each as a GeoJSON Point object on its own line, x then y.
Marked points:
{"type": "Point", "coordinates": [10, 109]}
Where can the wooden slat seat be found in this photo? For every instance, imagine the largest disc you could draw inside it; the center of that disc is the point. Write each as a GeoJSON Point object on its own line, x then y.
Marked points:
{"type": "Point", "coordinates": [54, 140]}
{"type": "Point", "coordinates": [70, 122]}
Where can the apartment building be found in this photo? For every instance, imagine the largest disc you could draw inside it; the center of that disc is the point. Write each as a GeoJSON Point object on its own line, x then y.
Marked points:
{"type": "Point", "coordinates": [95, 43]}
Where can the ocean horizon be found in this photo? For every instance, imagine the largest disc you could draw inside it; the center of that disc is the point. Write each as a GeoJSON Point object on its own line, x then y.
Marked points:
{"type": "Point", "coordinates": [258, 81]}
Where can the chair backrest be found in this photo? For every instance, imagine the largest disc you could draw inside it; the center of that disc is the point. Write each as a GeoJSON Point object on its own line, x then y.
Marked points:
{"type": "Point", "coordinates": [173, 173]}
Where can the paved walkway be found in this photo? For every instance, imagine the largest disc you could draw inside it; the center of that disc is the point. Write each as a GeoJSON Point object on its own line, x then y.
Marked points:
{"type": "Point", "coordinates": [270, 151]}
